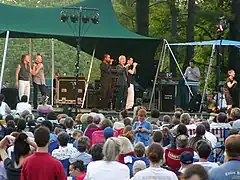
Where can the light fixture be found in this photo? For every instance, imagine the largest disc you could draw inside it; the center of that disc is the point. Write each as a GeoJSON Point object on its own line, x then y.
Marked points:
{"type": "Point", "coordinates": [95, 19]}
{"type": "Point", "coordinates": [74, 18]}
{"type": "Point", "coordinates": [85, 19]}
{"type": "Point", "coordinates": [64, 16]}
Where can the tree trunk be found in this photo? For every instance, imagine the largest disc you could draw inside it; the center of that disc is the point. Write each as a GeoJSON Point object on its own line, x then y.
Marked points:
{"type": "Point", "coordinates": [173, 12]}
{"type": "Point", "coordinates": [190, 31]}
{"type": "Point", "coordinates": [142, 16]}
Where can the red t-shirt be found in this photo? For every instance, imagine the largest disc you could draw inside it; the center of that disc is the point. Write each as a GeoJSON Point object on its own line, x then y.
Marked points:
{"type": "Point", "coordinates": [81, 177]}
{"type": "Point", "coordinates": [42, 166]}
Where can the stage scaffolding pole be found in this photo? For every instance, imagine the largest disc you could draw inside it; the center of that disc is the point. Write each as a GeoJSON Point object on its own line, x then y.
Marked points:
{"type": "Point", "coordinates": [4, 58]}
{"type": "Point", "coordinates": [53, 64]}
{"type": "Point", "coordinates": [88, 78]}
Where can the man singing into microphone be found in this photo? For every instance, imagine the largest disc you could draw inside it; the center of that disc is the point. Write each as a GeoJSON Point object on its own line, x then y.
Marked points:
{"type": "Point", "coordinates": [106, 80]}
{"type": "Point", "coordinates": [121, 84]}
{"type": "Point", "coordinates": [131, 73]}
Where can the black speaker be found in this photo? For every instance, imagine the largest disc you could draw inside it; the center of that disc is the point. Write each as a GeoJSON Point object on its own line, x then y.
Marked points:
{"type": "Point", "coordinates": [11, 97]}
{"type": "Point", "coordinates": [194, 104]}
{"type": "Point", "coordinates": [167, 98]}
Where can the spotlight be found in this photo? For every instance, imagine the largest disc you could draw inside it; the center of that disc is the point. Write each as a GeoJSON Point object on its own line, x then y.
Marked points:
{"type": "Point", "coordinates": [63, 16]}
{"type": "Point", "coordinates": [74, 18]}
{"type": "Point", "coordinates": [95, 19]}
{"type": "Point", "coordinates": [85, 19]}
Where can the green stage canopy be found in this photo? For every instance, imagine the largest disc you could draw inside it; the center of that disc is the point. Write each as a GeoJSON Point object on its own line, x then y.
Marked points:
{"type": "Point", "coordinates": [109, 36]}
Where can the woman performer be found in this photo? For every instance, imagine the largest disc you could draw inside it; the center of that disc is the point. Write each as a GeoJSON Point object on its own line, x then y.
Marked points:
{"type": "Point", "coordinates": [23, 72]}
{"type": "Point", "coordinates": [229, 89]}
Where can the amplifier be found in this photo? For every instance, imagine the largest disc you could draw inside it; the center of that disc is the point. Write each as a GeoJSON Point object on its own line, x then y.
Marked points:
{"type": "Point", "coordinates": [66, 88]}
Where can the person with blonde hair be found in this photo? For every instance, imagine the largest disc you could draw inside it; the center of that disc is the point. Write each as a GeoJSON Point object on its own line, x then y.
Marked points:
{"type": "Point", "coordinates": [230, 86]}
{"type": "Point", "coordinates": [121, 84]}
{"type": "Point", "coordinates": [126, 149]}
{"type": "Point", "coordinates": [108, 168]}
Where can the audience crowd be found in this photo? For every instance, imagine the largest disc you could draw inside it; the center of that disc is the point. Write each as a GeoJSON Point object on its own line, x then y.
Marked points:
{"type": "Point", "coordinates": [94, 146]}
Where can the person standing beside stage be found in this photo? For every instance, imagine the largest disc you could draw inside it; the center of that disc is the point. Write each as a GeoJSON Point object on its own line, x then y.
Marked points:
{"type": "Point", "coordinates": [23, 76]}
{"type": "Point", "coordinates": [229, 88]}
{"type": "Point", "coordinates": [121, 84]}
{"type": "Point", "coordinates": [192, 74]}
{"type": "Point", "coordinates": [38, 80]}
{"type": "Point", "coordinates": [131, 73]}
{"type": "Point", "coordinates": [106, 81]}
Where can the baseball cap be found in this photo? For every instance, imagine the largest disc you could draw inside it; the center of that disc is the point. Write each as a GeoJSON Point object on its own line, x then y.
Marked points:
{"type": "Point", "coordinates": [108, 132]}
{"type": "Point", "coordinates": [186, 157]}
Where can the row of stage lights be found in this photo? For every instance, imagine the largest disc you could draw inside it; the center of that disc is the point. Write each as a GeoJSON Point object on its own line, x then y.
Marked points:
{"type": "Point", "coordinates": [75, 18]}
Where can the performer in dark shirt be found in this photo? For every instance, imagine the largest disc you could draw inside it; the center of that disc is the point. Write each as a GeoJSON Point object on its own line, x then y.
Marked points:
{"type": "Point", "coordinates": [106, 80]}
{"type": "Point", "coordinates": [131, 73]}
{"type": "Point", "coordinates": [121, 84]}
{"type": "Point", "coordinates": [230, 87]}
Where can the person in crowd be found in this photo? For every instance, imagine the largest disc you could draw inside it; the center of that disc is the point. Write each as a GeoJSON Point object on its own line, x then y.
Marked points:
{"type": "Point", "coordinates": [192, 74]}
{"type": "Point", "coordinates": [4, 108]}
{"type": "Point", "coordinates": [229, 89]}
{"type": "Point", "coordinates": [44, 108]}
{"type": "Point", "coordinates": [186, 159]}
{"type": "Point", "coordinates": [97, 120]}
{"type": "Point", "coordinates": [69, 125]}
{"type": "Point", "coordinates": [142, 129]}
{"type": "Point", "coordinates": [155, 155]}
{"type": "Point", "coordinates": [38, 80]}
{"type": "Point", "coordinates": [166, 121]}
{"type": "Point", "coordinates": [200, 132]}
{"type": "Point", "coordinates": [96, 152]}
{"type": "Point", "coordinates": [41, 165]}
{"type": "Point", "coordinates": [121, 84]}
{"type": "Point", "coordinates": [186, 119]}
{"type": "Point", "coordinates": [139, 105]}
{"type": "Point", "coordinates": [235, 114]}
{"type": "Point", "coordinates": [91, 127]}
{"type": "Point", "coordinates": [76, 135]}
{"type": "Point", "coordinates": [195, 172]}
{"type": "Point", "coordinates": [77, 170]}
{"type": "Point", "coordinates": [139, 150]}
{"type": "Point", "coordinates": [204, 150]}
{"type": "Point", "coordinates": [21, 127]}
{"type": "Point", "coordinates": [126, 149]}
{"type": "Point", "coordinates": [230, 169]}
{"type": "Point", "coordinates": [130, 91]}
{"type": "Point", "coordinates": [106, 123]}
{"type": "Point", "coordinates": [8, 118]}
{"type": "Point", "coordinates": [221, 122]}
{"type": "Point", "coordinates": [114, 169]}
{"type": "Point", "coordinates": [23, 72]}
{"type": "Point", "coordinates": [21, 146]}
{"type": "Point", "coordinates": [208, 135]}
{"type": "Point", "coordinates": [65, 150]}
{"type": "Point", "coordinates": [23, 105]}
{"type": "Point", "coordinates": [138, 166]}
{"type": "Point", "coordinates": [82, 153]}
{"type": "Point", "coordinates": [127, 122]}
{"type": "Point", "coordinates": [108, 132]}
{"type": "Point", "coordinates": [154, 116]}
{"type": "Point", "coordinates": [157, 137]}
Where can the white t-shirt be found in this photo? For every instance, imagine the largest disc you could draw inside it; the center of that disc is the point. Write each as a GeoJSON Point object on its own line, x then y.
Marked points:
{"type": "Point", "coordinates": [210, 137]}
{"type": "Point", "coordinates": [22, 106]}
{"type": "Point", "coordinates": [207, 165]}
{"type": "Point", "coordinates": [64, 152]}
{"type": "Point", "coordinates": [155, 173]}
{"type": "Point", "coordinates": [112, 170]}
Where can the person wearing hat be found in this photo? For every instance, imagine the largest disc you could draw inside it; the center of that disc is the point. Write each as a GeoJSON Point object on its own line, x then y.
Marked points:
{"type": "Point", "coordinates": [186, 159]}
{"type": "Point", "coordinates": [192, 74]}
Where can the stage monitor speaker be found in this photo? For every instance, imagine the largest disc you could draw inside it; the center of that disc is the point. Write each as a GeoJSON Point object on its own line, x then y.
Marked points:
{"type": "Point", "coordinates": [167, 98]}
{"type": "Point", "coordinates": [11, 96]}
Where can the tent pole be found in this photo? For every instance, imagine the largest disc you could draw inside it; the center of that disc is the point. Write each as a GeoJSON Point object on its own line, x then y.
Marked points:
{"type": "Point", "coordinates": [4, 58]}
{"type": "Point", "coordinates": [156, 75]}
{"type": "Point", "coordinates": [89, 75]}
{"type": "Point", "coordinates": [186, 83]}
{"type": "Point", "coordinates": [53, 61]}
{"type": "Point", "coordinates": [207, 77]}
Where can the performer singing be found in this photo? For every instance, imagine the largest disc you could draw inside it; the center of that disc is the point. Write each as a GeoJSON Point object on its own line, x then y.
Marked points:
{"type": "Point", "coordinates": [131, 73]}
{"type": "Point", "coordinates": [192, 74]}
{"type": "Point", "coordinates": [121, 84]}
{"type": "Point", "coordinates": [106, 80]}
{"type": "Point", "coordinates": [38, 79]}
{"type": "Point", "coordinates": [23, 76]}
{"type": "Point", "coordinates": [230, 87]}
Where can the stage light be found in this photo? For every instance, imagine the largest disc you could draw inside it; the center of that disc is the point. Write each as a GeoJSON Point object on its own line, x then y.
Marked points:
{"type": "Point", "coordinates": [85, 19]}
{"type": "Point", "coordinates": [95, 19]}
{"type": "Point", "coordinates": [74, 18]}
{"type": "Point", "coordinates": [64, 16]}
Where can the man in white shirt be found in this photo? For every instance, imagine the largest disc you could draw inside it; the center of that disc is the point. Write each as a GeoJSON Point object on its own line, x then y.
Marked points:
{"type": "Point", "coordinates": [209, 136]}
{"type": "Point", "coordinates": [65, 150]}
{"type": "Point", "coordinates": [204, 150]}
{"type": "Point", "coordinates": [23, 105]}
{"type": "Point", "coordinates": [221, 122]}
